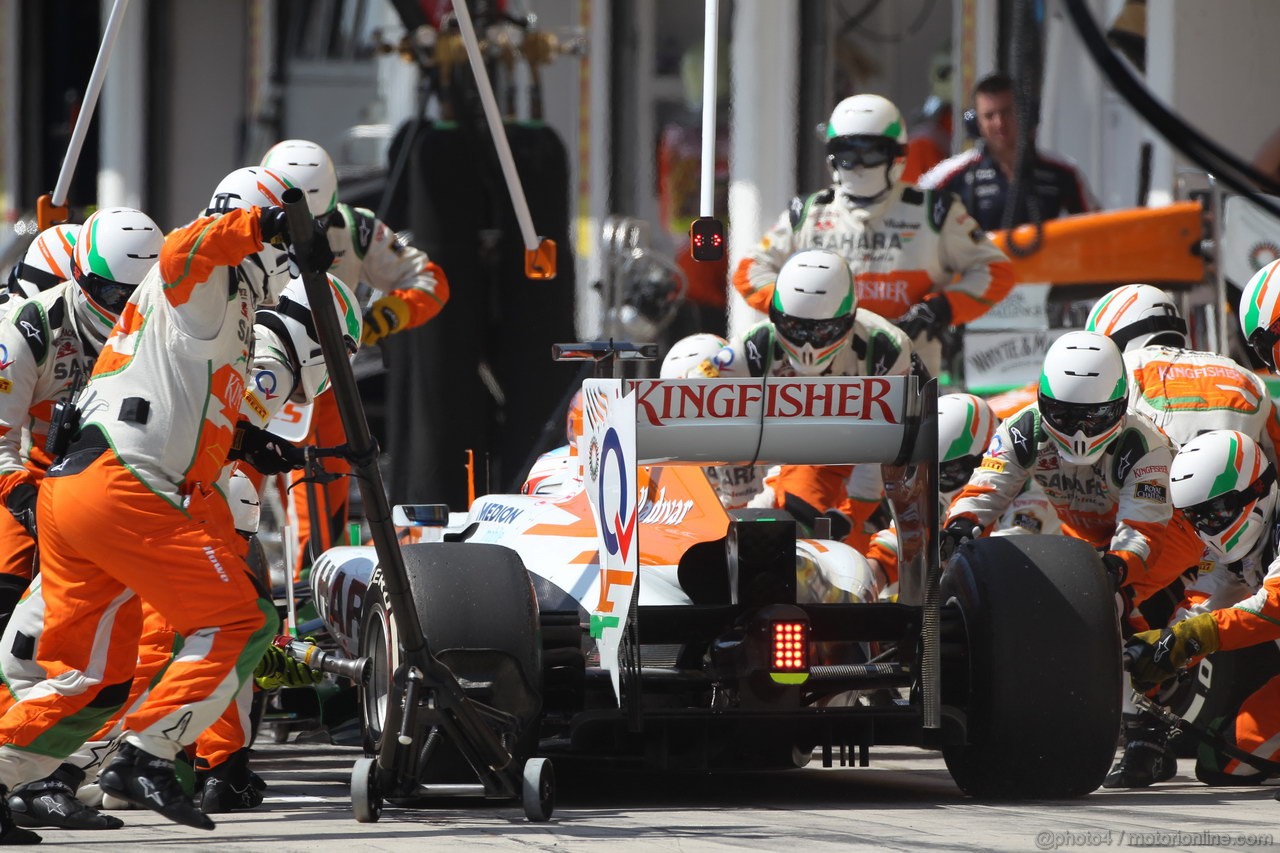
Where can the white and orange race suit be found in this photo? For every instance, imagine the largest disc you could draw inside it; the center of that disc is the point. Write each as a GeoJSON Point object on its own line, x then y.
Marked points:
{"type": "Point", "coordinates": [1119, 504]}
{"type": "Point", "coordinates": [1186, 392]}
{"type": "Point", "coordinates": [912, 243]}
{"type": "Point", "coordinates": [19, 644]}
{"type": "Point", "coordinates": [876, 348]}
{"type": "Point", "coordinates": [366, 252]}
{"type": "Point", "coordinates": [47, 344]}
{"type": "Point", "coordinates": [1244, 598]}
{"type": "Point", "coordinates": [1030, 513]}
{"type": "Point", "coordinates": [132, 512]}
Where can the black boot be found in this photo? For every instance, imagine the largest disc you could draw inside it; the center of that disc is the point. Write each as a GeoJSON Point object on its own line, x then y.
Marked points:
{"type": "Point", "coordinates": [52, 802]}
{"type": "Point", "coordinates": [149, 781]}
{"type": "Point", "coordinates": [10, 832]}
{"type": "Point", "coordinates": [1147, 758]}
{"type": "Point", "coordinates": [229, 786]}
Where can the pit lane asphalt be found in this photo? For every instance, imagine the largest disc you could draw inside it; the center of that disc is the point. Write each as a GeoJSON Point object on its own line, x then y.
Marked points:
{"type": "Point", "coordinates": [904, 801]}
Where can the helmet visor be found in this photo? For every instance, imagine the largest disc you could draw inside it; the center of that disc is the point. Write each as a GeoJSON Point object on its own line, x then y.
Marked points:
{"type": "Point", "coordinates": [870, 151]}
{"type": "Point", "coordinates": [1087, 418]}
{"type": "Point", "coordinates": [817, 333]}
{"type": "Point", "coordinates": [954, 473]}
{"type": "Point", "coordinates": [107, 294]}
{"type": "Point", "coordinates": [1215, 515]}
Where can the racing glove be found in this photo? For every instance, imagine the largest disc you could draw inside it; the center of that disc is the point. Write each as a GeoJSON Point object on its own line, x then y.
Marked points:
{"type": "Point", "coordinates": [277, 669]}
{"type": "Point", "coordinates": [931, 316]}
{"type": "Point", "coordinates": [1117, 570]}
{"type": "Point", "coordinates": [274, 225]}
{"type": "Point", "coordinates": [1153, 657]}
{"type": "Point", "coordinates": [265, 451]}
{"type": "Point", "coordinates": [386, 315]}
{"type": "Point", "coordinates": [957, 532]}
{"type": "Point", "coordinates": [21, 503]}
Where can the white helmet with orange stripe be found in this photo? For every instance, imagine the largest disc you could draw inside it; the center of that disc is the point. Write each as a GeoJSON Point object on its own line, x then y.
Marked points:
{"type": "Point", "coordinates": [1136, 316]}
{"type": "Point", "coordinates": [965, 426]}
{"type": "Point", "coordinates": [253, 186]}
{"type": "Point", "coordinates": [1225, 486]}
{"type": "Point", "coordinates": [311, 168]}
{"type": "Point", "coordinates": [116, 248]}
{"type": "Point", "coordinates": [1260, 313]}
{"type": "Point", "coordinates": [1083, 395]}
{"type": "Point", "coordinates": [47, 261]}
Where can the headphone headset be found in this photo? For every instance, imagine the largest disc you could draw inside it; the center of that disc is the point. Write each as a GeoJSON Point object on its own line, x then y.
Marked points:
{"type": "Point", "coordinates": [971, 123]}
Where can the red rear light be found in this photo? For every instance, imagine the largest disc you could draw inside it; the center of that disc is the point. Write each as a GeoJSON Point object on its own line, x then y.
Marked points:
{"type": "Point", "coordinates": [790, 647]}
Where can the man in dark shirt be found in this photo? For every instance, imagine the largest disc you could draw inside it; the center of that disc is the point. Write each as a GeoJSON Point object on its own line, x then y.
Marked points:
{"type": "Point", "coordinates": [982, 176]}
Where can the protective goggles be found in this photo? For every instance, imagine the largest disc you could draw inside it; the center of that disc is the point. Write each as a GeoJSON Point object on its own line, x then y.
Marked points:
{"type": "Point", "coordinates": [107, 294]}
{"type": "Point", "coordinates": [870, 151]}
{"type": "Point", "coordinates": [802, 331]}
{"type": "Point", "coordinates": [954, 473]}
{"type": "Point", "coordinates": [1264, 340]}
{"type": "Point", "coordinates": [1088, 418]}
{"type": "Point", "coordinates": [1215, 515]}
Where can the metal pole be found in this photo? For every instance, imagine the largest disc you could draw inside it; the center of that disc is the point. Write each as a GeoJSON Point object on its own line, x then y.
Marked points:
{"type": "Point", "coordinates": [478, 741]}
{"type": "Point", "coordinates": [494, 120]}
{"type": "Point", "coordinates": [710, 42]}
{"type": "Point", "coordinates": [1220, 276]}
{"type": "Point", "coordinates": [91, 92]}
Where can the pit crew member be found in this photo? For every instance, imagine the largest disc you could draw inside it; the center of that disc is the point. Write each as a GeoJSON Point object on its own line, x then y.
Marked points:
{"type": "Point", "coordinates": [1224, 483]}
{"type": "Point", "coordinates": [966, 426]}
{"type": "Point", "coordinates": [284, 346]}
{"type": "Point", "coordinates": [411, 289]}
{"type": "Point", "coordinates": [47, 262]}
{"type": "Point", "coordinates": [1104, 468]}
{"type": "Point", "coordinates": [1184, 392]}
{"type": "Point", "coordinates": [47, 346]}
{"type": "Point", "coordinates": [818, 327]}
{"type": "Point", "coordinates": [137, 490]}
{"type": "Point", "coordinates": [918, 258]}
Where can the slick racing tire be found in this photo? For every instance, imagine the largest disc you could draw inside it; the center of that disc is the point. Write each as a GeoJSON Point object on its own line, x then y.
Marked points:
{"type": "Point", "coordinates": [1043, 668]}
{"type": "Point", "coordinates": [480, 618]}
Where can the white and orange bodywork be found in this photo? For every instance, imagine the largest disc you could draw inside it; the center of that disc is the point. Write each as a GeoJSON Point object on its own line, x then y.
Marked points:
{"type": "Point", "coordinates": [603, 527]}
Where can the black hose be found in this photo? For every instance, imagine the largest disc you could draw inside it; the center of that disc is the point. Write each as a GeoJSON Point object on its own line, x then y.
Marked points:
{"type": "Point", "coordinates": [1188, 141]}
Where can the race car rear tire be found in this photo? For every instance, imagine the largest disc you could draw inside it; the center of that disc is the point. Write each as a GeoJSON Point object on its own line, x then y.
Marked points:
{"type": "Point", "coordinates": [478, 611]}
{"type": "Point", "coordinates": [1044, 671]}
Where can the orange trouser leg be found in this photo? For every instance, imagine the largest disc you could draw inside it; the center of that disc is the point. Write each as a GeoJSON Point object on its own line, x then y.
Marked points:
{"type": "Point", "coordinates": [229, 733]}
{"type": "Point", "coordinates": [156, 648]}
{"type": "Point", "coordinates": [89, 646]}
{"type": "Point", "coordinates": [17, 549]}
{"type": "Point", "coordinates": [117, 534]}
{"type": "Point", "coordinates": [1257, 727]}
{"type": "Point", "coordinates": [17, 564]}
{"type": "Point", "coordinates": [331, 498]}
{"type": "Point", "coordinates": [209, 597]}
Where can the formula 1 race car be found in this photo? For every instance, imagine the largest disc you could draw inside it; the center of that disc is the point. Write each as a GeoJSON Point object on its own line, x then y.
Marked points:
{"type": "Point", "coordinates": [623, 614]}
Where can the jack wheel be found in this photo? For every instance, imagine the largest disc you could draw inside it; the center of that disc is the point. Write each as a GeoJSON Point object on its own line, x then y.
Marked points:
{"type": "Point", "coordinates": [366, 801]}
{"type": "Point", "coordinates": [538, 789]}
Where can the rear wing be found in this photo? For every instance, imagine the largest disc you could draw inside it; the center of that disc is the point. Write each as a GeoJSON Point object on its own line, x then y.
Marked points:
{"type": "Point", "coordinates": [771, 420]}
{"type": "Point", "coordinates": [889, 420]}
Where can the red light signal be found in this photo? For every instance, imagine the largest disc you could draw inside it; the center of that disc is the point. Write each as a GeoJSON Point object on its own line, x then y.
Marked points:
{"type": "Point", "coordinates": [790, 647]}
{"type": "Point", "coordinates": [706, 239]}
